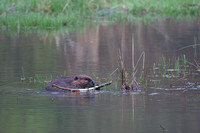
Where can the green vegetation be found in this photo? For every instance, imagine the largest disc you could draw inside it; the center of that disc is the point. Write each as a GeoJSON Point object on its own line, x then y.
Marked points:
{"type": "Point", "coordinates": [173, 72]}
{"type": "Point", "coordinates": [166, 72]}
{"type": "Point", "coordinates": [49, 14]}
{"type": "Point", "coordinates": [75, 14]}
{"type": "Point", "coordinates": [39, 80]}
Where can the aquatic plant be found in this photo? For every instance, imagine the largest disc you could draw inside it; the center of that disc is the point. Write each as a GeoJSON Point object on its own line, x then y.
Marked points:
{"type": "Point", "coordinates": [184, 62]}
{"type": "Point", "coordinates": [177, 72]}
{"type": "Point", "coordinates": [166, 72]}
{"type": "Point", "coordinates": [177, 66]}
{"type": "Point", "coordinates": [38, 78]}
{"type": "Point", "coordinates": [117, 83]}
{"type": "Point", "coordinates": [22, 76]}
{"type": "Point", "coordinates": [130, 82]}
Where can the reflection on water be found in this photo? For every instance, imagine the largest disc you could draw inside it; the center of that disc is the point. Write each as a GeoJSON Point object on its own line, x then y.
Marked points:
{"type": "Point", "coordinates": [101, 112]}
{"type": "Point", "coordinates": [95, 52]}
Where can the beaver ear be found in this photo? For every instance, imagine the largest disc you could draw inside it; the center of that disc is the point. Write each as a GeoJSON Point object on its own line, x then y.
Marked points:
{"type": "Point", "coordinates": [75, 78]}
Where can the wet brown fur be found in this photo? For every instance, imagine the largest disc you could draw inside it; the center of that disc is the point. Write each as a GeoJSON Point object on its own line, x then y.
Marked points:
{"type": "Point", "coordinates": [74, 82]}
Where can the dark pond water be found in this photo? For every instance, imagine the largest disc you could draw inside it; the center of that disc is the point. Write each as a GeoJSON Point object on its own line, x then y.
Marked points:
{"type": "Point", "coordinates": [27, 107]}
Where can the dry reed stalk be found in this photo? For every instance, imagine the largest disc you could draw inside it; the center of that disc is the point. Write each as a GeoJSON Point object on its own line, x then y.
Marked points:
{"type": "Point", "coordinates": [188, 46]}
{"type": "Point", "coordinates": [133, 53]}
{"type": "Point", "coordinates": [143, 61]}
{"type": "Point", "coordinates": [124, 75]}
{"type": "Point", "coordinates": [121, 58]}
{"type": "Point", "coordinates": [122, 67]}
{"type": "Point", "coordinates": [197, 64]}
{"type": "Point", "coordinates": [134, 83]}
{"type": "Point", "coordinates": [183, 80]}
{"type": "Point", "coordinates": [112, 73]}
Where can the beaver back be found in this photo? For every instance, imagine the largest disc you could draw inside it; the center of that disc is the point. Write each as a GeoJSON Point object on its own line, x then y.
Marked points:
{"type": "Point", "coordinates": [75, 82]}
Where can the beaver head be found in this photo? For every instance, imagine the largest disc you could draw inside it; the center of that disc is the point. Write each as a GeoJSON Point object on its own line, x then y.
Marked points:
{"type": "Point", "coordinates": [82, 81]}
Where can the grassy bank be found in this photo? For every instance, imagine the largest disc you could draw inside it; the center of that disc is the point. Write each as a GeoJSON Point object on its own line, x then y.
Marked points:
{"type": "Point", "coordinates": [45, 14]}
{"type": "Point", "coordinates": [56, 14]}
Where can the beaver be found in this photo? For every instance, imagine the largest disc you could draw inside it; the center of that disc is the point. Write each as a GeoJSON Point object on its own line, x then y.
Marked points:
{"type": "Point", "coordinates": [74, 82]}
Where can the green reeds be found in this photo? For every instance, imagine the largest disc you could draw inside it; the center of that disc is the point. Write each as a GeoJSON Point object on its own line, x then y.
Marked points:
{"type": "Point", "coordinates": [116, 83]}
{"type": "Point", "coordinates": [22, 75]}
{"type": "Point", "coordinates": [39, 79]}
{"type": "Point", "coordinates": [184, 62]}
{"type": "Point", "coordinates": [166, 66]}
{"type": "Point", "coordinates": [173, 71]}
{"type": "Point", "coordinates": [177, 66]}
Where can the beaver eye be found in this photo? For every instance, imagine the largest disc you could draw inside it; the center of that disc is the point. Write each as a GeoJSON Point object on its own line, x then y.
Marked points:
{"type": "Point", "coordinates": [86, 78]}
{"type": "Point", "coordinates": [75, 78]}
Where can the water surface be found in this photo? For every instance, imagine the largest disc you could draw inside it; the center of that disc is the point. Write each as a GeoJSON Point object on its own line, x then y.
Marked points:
{"type": "Point", "coordinates": [26, 107]}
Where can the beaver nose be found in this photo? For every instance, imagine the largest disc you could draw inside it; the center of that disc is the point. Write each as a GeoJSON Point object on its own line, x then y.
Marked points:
{"type": "Point", "coordinates": [92, 83]}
